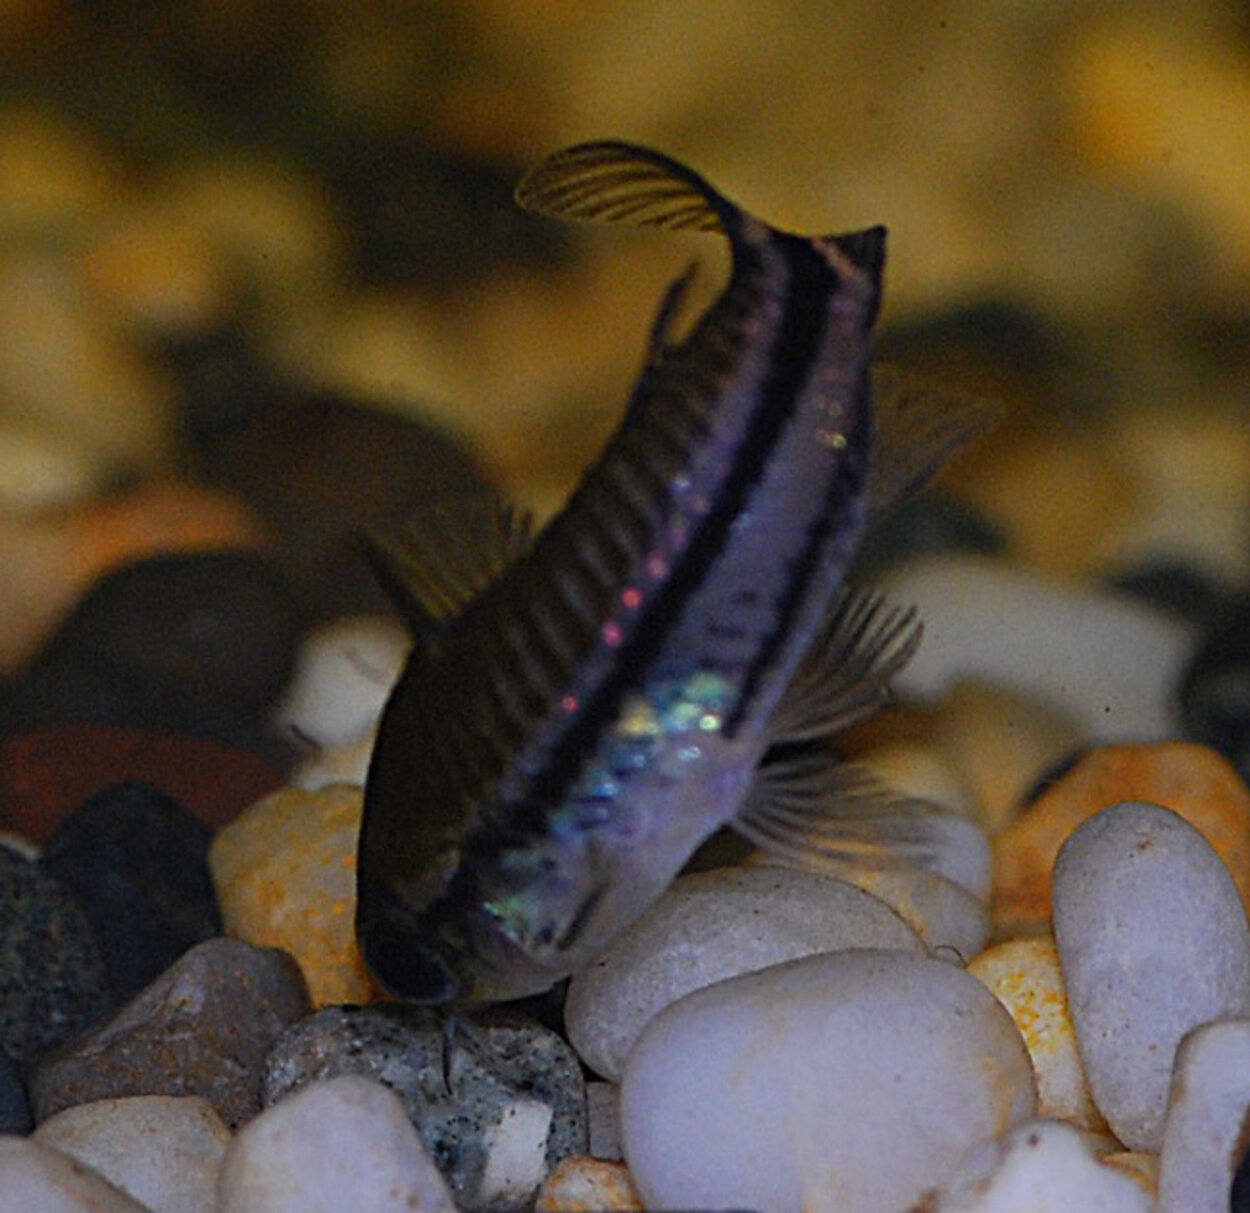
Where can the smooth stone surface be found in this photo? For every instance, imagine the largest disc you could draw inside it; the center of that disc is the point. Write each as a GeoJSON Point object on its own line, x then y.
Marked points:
{"type": "Point", "coordinates": [339, 764]}
{"type": "Point", "coordinates": [1108, 663]}
{"type": "Point", "coordinates": [785, 1087]}
{"type": "Point", "coordinates": [339, 1144]}
{"type": "Point", "coordinates": [1192, 780]}
{"type": "Point", "coordinates": [47, 773]}
{"type": "Point", "coordinates": [1153, 941]}
{"type": "Point", "coordinates": [1002, 741]}
{"type": "Point", "coordinates": [202, 1028]}
{"type": "Point", "coordinates": [709, 926]}
{"type": "Point", "coordinates": [1024, 975]}
{"type": "Point", "coordinates": [498, 1099]}
{"type": "Point", "coordinates": [196, 642]}
{"type": "Point", "coordinates": [285, 873]}
{"type": "Point", "coordinates": [138, 863]}
{"type": "Point", "coordinates": [1205, 1133]}
{"type": "Point", "coordinates": [162, 1150]}
{"type": "Point", "coordinates": [37, 1177]}
{"type": "Point", "coordinates": [52, 976]}
{"type": "Point", "coordinates": [343, 674]}
{"type": "Point", "coordinates": [14, 1106]}
{"type": "Point", "coordinates": [1043, 1166]}
{"type": "Point", "coordinates": [949, 920]}
{"type": "Point", "coordinates": [580, 1184]}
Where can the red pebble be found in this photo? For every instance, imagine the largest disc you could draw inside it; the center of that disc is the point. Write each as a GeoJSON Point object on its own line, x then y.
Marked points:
{"type": "Point", "coordinates": [48, 772]}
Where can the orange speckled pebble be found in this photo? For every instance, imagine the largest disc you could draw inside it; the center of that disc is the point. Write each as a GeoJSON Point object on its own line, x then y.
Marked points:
{"type": "Point", "coordinates": [584, 1185]}
{"type": "Point", "coordinates": [285, 873]}
{"type": "Point", "coordinates": [1190, 779]}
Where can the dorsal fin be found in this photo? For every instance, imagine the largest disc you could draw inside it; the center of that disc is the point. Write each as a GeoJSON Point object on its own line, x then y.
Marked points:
{"type": "Point", "coordinates": [447, 551]}
{"type": "Point", "coordinates": [614, 182]}
{"type": "Point", "coordinates": [919, 427]}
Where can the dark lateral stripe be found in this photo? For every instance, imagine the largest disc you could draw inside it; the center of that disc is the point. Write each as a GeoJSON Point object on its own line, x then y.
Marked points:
{"type": "Point", "coordinates": [811, 286]}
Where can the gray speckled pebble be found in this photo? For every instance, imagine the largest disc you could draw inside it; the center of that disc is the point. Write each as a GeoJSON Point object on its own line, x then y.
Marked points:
{"type": "Point", "coordinates": [203, 1027]}
{"type": "Point", "coordinates": [52, 976]}
{"type": "Point", "coordinates": [1153, 941]}
{"type": "Point", "coordinates": [343, 1145]}
{"type": "Point", "coordinates": [509, 1105]}
{"type": "Point", "coordinates": [1204, 1137]}
{"type": "Point", "coordinates": [709, 926]}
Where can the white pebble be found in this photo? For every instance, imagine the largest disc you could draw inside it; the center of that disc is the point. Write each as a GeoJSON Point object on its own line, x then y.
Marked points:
{"type": "Point", "coordinates": [1204, 1136]}
{"type": "Point", "coordinates": [163, 1150]}
{"type": "Point", "coordinates": [709, 926]}
{"type": "Point", "coordinates": [1109, 662]}
{"type": "Point", "coordinates": [341, 1143]}
{"type": "Point", "coordinates": [37, 1177]}
{"type": "Point", "coordinates": [1044, 1166]}
{"type": "Point", "coordinates": [1153, 941]}
{"type": "Point", "coordinates": [789, 1089]}
{"type": "Point", "coordinates": [343, 674]}
{"type": "Point", "coordinates": [516, 1153]}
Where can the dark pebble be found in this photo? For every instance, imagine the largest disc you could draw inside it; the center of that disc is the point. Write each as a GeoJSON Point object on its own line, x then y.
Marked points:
{"type": "Point", "coordinates": [138, 863]}
{"type": "Point", "coordinates": [456, 1081]}
{"type": "Point", "coordinates": [47, 773]}
{"type": "Point", "coordinates": [1214, 690]}
{"type": "Point", "coordinates": [14, 1107]}
{"type": "Point", "coordinates": [200, 642]}
{"type": "Point", "coordinates": [204, 1027]}
{"type": "Point", "coordinates": [317, 470]}
{"type": "Point", "coordinates": [1173, 586]}
{"type": "Point", "coordinates": [1239, 1193]}
{"type": "Point", "coordinates": [52, 977]}
{"type": "Point", "coordinates": [928, 525]}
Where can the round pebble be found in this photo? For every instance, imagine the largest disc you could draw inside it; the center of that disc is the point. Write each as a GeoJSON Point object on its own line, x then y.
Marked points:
{"type": "Point", "coordinates": [34, 1176]}
{"type": "Point", "coordinates": [498, 1099]}
{"type": "Point", "coordinates": [709, 926]}
{"type": "Point", "coordinates": [1107, 663]}
{"type": "Point", "coordinates": [162, 1150]}
{"type": "Point", "coordinates": [52, 977]}
{"type": "Point", "coordinates": [785, 1089]}
{"type": "Point", "coordinates": [1153, 941]}
{"type": "Point", "coordinates": [138, 863]}
{"type": "Point", "coordinates": [1044, 1166]}
{"type": "Point", "coordinates": [1205, 1131]}
{"type": "Point", "coordinates": [1192, 780]}
{"type": "Point", "coordinates": [342, 1143]}
{"type": "Point", "coordinates": [580, 1184]}
{"type": "Point", "coordinates": [285, 873]}
{"type": "Point", "coordinates": [343, 675]}
{"type": "Point", "coordinates": [1024, 975]}
{"type": "Point", "coordinates": [202, 1028]}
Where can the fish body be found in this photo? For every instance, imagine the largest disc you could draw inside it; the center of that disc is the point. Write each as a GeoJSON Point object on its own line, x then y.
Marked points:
{"type": "Point", "coordinates": [581, 711]}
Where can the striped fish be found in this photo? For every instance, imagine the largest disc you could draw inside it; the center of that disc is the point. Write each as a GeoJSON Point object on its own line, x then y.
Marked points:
{"type": "Point", "coordinates": [670, 654]}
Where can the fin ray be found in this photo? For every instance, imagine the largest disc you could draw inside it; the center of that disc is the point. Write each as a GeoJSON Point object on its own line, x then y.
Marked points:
{"type": "Point", "coordinates": [846, 673]}
{"type": "Point", "coordinates": [446, 552]}
{"type": "Point", "coordinates": [614, 182]}
{"type": "Point", "coordinates": [919, 427]}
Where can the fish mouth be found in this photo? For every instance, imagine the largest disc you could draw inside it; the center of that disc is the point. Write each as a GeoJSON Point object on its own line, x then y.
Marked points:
{"type": "Point", "coordinates": [408, 964]}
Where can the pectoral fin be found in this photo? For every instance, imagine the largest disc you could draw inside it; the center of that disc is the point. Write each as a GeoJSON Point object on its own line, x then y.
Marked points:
{"type": "Point", "coordinates": [446, 553]}
{"type": "Point", "coordinates": [812, 809]}
{"type": "Point", "coordinates": [845, 675]}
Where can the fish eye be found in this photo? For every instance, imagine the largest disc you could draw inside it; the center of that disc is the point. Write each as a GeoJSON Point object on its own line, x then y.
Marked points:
{"type": "Point", "coordinates": [407, 967]}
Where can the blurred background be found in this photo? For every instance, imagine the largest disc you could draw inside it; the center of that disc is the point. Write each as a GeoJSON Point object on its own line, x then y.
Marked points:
{"type": "Point", "coordinates": [207, 206]}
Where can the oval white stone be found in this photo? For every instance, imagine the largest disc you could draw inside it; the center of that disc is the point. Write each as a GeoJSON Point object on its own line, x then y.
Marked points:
{"type": "Point", "coordinates": [709, 926]}
{"type": "Point", "coordinates": [847, 1080]}
{"type": "Point", "coordinates": [336, 1144]}
{"type": "Point", "coordinates": [1204, 1136]}
{"type": "Point", "coordinates": [1153, 941]}
{"type": "Point", "coordinates": [1044, 1166]}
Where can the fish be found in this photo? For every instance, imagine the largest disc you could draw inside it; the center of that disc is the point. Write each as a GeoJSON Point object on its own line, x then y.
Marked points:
{"type": "Point", "coordinates": [671, 653]}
